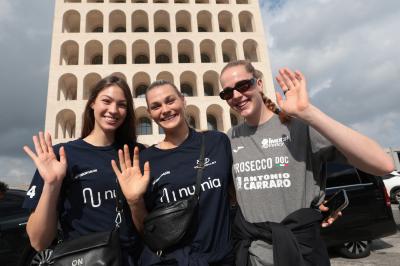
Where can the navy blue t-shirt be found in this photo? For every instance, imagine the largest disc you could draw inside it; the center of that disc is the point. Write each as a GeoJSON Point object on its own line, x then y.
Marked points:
{"type": "Point", "coordinates": [87, 199]}
{"type": "Point", "coordinates": [173, 177]}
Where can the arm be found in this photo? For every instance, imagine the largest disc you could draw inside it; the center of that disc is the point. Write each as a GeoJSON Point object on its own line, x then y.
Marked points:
{"type": "Point", "coordinates": [133, 183]}
{"type": "Point", "coordinates": [360, 151]}
{"type": "Point", "coordinates": [42, 223]}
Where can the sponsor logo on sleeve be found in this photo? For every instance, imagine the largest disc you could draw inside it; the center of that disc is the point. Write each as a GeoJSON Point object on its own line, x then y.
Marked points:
{"type": "Point", "coordinates": [273, 143]}
{"type": "Point", "coordinates": [85, 173]}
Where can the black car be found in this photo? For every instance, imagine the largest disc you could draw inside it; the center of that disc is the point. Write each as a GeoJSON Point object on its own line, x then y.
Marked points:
{"type": "Point", "coordinates": [368, 215]}
{"type": "Point", "coordinates": [14, 243]}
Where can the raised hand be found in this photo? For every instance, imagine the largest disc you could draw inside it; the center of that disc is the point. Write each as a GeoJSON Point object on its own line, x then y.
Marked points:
{"type": "Point", "coordinates": [50, 168]}
{"type": "Point", "coordinates": [294, 88]}
{"type": "Point", "coordinates": [130, 178]}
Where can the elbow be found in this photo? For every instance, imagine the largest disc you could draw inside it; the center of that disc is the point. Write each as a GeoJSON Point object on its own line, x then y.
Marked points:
{"type": "Point", "coordinates": [37, 242]}
{"type": "Point", "coordinates": [389, 167]}
{"type": "Point", "coordinates": [385, 167]}
{"type": "Point", "coordinates": [37, 245]}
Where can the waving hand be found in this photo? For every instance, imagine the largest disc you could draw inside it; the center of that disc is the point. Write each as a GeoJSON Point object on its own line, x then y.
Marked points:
{"type": "Point", "coordinates": [130, 178]}
{"type": "Point", "coordinates": [294, 87]}
{"type": "Point", "coordinates": [50, 168]}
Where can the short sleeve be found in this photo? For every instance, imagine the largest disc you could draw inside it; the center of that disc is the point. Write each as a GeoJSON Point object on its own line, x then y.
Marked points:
{"type": "Point", "coordinates": [34, 192]}
{"type": "Point", "coordinates": [322, 149]}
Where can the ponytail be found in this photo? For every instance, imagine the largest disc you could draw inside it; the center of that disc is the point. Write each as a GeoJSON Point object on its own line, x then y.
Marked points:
{"type": "Point", "coordinates": [283, 117]}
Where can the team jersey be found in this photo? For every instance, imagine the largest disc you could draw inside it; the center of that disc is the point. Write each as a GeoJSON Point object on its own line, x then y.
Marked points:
{"type": "Point", "coordinates": [173, 177]}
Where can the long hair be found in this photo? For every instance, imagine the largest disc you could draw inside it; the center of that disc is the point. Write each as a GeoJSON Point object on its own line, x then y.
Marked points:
{"type": "Point", "coordinates": [283, 117]}
{"type": "Point", "coordinates": [126, 132]}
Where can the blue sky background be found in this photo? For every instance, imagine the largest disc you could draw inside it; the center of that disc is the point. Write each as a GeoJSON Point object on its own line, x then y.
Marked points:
{"type": "Point", "coordinates": [348, 50]}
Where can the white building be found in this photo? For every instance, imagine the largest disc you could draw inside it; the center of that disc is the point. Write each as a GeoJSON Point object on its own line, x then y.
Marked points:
{"type": "Point", "coordinates": [183, 41]}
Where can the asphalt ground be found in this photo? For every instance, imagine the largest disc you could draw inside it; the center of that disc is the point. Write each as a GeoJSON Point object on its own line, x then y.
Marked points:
{"type": "Point", "coordinates": [384, 251]}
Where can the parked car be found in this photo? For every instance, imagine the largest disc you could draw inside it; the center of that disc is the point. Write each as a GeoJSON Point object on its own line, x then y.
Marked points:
{"type": "Point", "coordinates": [392, 184]}
{"type": "Point", "coordinates": [15, 248]}
{"type": "Point", "coordinates": [367, 217]}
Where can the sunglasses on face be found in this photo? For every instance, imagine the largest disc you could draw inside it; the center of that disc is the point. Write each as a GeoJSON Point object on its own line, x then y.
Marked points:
{"type": "Point", "coordinates": [240, 86]}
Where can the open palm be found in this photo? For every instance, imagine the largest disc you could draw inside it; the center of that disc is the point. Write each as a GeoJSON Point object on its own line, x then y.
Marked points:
{"type": "Point", "coordinates": [50, 168]}
{"type": "Point", "coordinates": [293, 85]}
{"type": "Point", "coordinates": [130, 178]}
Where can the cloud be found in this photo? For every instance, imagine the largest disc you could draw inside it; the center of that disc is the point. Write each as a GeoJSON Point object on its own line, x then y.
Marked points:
{"type": "Point", "coordinates": [17, 172]}
{"type": "Point", "coordinates": [5, 10]}
{"type": "Point", "coordinates": [25, 40]}
{"type": "Point", "coordinates": [348, 52]}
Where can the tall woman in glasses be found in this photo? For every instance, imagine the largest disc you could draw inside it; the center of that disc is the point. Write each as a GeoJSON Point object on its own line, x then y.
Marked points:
{"type": "Point", "coordinates": [74, 185]}
{"type": "Point", "coordinates": [277, 155]}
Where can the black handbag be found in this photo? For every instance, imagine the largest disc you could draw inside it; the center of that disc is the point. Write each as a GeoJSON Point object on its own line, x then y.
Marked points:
{"type": "Point", "coordinates": [100, 248]}
{"type": "Point", "coordinates": [172, 224]}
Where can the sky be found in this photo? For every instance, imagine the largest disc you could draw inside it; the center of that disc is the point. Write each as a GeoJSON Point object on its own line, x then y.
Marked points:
{"type": "Point", "coordinates": [348, 51]}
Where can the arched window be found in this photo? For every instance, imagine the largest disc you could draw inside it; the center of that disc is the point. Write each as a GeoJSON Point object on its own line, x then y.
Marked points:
{"type": "Point", "coordinates": [186, 90]}
{"type": "Point", "coordinates": [208, 89]}
{"type": "Point", "coordinates": [211, 83]}
{"type": "Point", "coordinates": [71, 21]}
{"type": "Point", "coordinates": [192, 122]}
{"type": "Point", "coordinates": [67, 87]}
{"type": "Point", "coordinates": [226, 58]}
{"type": "Point", "coordinates": [141, 29]}
{"type": "Point", "coordinates": [120, 59]}
{"type": "Point", "coordinates": [204, 21]}
{"type": "Point", "coordinates": [162, 58]}
{"type": "Point", "coordinates": [120, 29]}
{"type": "Point", "coordinates": [98, 29]}
{"type": "Point", "coordinates": [144, 127]}
{"type": "Point", "coordinates": [183, 58]}
{"type": "Point", "coordinates": [211, 123]}
{"type": "Point", "coordinates": [207, 51]}
{"type": "Point", "coordinates": [141, 91]}
{"type": "Point", "coordinates": [161, 29]}
{"type": "Point", "coordinates": [141, 59]}
{"type": "Point", "coordinates": [181, 29]}
{"type": "Point", "coordinates": [205, 58]}
{"type": "Point", "coordinates": [97, 60]}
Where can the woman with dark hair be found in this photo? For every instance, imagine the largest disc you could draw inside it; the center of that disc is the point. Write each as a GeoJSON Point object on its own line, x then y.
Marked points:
{"type": "Point", "coordinates": [277, 156]}
{"type": "Point", "coordinates": [174, 163]}
{"type": "Point", "coordinates": [74, 185]}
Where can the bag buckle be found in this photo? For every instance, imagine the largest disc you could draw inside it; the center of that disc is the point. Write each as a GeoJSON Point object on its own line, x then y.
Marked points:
{"type": "Point", "coordinates": [159, 253]}
{"type": "Point", "coordinates": [118, 219]}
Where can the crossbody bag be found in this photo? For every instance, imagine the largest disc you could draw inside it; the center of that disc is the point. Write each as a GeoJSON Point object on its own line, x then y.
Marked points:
{"type": "Point", "coordinates": [100, 248]}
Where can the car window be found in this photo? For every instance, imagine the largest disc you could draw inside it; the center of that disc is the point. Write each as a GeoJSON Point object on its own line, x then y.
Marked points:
{"type": "Point", "coordinates": [341, 175]}
{"type": "Point", "coordinates": [11, 204]}
{"type": "Point", "coordinates": [367, 178]}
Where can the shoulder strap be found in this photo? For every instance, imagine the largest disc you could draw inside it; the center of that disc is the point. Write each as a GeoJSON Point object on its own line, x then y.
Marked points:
{"type": "Point", "coordinates": [119, 198]}
{"type": "Point", "coordinates": [200, 166]}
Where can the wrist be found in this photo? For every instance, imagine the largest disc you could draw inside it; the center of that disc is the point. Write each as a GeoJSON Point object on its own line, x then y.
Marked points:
{"type": "Point", "coordinates": [136, 203]}
{"type": "Point", "coordinates": [309, 114]}
{"type": "Point", "coordinates": [52, 186]}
